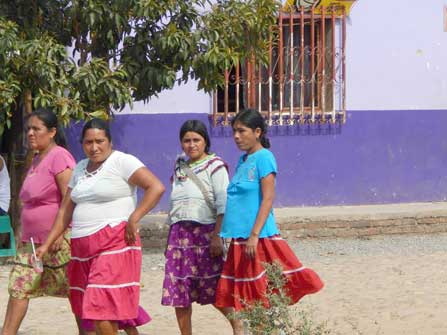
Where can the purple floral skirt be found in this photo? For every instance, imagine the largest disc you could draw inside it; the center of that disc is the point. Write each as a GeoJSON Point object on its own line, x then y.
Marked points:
{"type": "Point", "coordinates": [191, 274]}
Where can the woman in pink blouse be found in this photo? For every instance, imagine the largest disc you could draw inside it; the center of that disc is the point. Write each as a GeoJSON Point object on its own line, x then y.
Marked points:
{"type": "Point", "coordinates": [41, 194]}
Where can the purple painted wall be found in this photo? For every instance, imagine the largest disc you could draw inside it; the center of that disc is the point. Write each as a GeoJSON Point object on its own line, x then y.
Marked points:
{"type": "Point", "coordinates": [393, 147]}
{"type": "Point", "coordinates": [376, 157]}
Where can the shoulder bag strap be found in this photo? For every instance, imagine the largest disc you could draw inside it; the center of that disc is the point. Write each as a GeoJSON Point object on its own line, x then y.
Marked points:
{"type": "Point", "coordinates": [184, 166]}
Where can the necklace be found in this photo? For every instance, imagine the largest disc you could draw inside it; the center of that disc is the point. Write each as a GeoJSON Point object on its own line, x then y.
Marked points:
{"type": "Point", "coordinates": [94, 172]}
{"type": "Point", "coordinates": [89, 174]}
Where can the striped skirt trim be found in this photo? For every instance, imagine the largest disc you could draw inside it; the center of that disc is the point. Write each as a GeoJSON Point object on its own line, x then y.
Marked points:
{"type": "Point", "coordinates": [104, 286]}
{"type": "Point", "coordinates": [260, 275]}
{"type": "Point", "coordinates": [244, 281]}
{"type": "Point", "coordinates": [196, 277]}
{"type": "Point", "coordinates": [113, 252]}
{"type": "Point", "coordinates": [104, 275]}
{"type": "Point", "coordinates": [191, 274]}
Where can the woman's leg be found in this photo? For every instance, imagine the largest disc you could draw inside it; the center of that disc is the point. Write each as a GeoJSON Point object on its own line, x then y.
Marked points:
{"type": "Point", "coordinates": [15, 312]}
{"type": "Point", "coordinates": [183, 315]}
{"type": "Point", "coordinates": [131, 331]}
{"type": "Point", "coordinates": [237, 325]}
{"type": "Point", "coordinates": [81, 330]}
{"type": "Point", "coordinates": [106, 327]}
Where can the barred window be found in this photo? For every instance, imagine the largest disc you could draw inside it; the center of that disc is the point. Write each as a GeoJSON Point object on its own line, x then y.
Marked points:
{"type": "Point", "coordinates": [304, 80]}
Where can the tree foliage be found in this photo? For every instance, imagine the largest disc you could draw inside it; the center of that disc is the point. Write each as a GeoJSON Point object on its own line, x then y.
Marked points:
{"type": "Point", "coordinates": [85, 58]}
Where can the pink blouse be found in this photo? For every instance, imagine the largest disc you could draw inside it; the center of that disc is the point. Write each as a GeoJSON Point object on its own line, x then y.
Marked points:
{"type": "Point", "coordinates": [40, 194]}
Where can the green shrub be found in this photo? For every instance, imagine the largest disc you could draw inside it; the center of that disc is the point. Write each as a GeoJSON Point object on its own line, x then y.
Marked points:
{"type": "Point", "coordinates": [275, 317]}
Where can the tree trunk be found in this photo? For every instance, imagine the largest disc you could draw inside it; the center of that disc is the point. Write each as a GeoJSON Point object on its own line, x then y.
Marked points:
{"type": "Point", "coordinates": [28, 98]}
{"type": "Point", "coordinates": [19, 158]}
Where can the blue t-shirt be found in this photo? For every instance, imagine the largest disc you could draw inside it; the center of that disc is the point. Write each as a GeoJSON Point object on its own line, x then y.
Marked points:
{"type": "Point", "coordinates": [244, 196]}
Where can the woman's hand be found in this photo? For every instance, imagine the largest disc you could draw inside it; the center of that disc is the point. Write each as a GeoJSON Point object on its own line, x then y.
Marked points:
{"type": "Point", "coordinates": [41, 251]}
{"type": "Point", "coordinates": [251, 246]}
{"type": "Point", "coordinates": [216, 246]}
{"type": "Point", "coordinates": [56, 246]}
{"type": "Point", "coordinates": [131, 232]}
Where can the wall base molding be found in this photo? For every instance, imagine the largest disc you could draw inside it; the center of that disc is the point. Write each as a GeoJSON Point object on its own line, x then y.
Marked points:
{"type": "Point", "coordinates": [333, 221]}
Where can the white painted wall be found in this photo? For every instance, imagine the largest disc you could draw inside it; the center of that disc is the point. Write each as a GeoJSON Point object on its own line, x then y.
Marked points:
{"type": "Point", "coordinates": [396, 60]}
{"type": "Point", "coordinates": [181, 99]}
{"type": "Point", "coordinates": [397, 55]}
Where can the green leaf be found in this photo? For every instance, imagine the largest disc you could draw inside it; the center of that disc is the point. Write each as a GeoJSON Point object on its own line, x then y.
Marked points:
{"type": "Point", "coordinates": [154, 40]}
{"type": "Point", "coordinates": [92, 18]}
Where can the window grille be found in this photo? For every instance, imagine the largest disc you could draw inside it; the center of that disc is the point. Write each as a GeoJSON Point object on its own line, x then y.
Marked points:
{"type": "Point", "coordinates": [304, 79]}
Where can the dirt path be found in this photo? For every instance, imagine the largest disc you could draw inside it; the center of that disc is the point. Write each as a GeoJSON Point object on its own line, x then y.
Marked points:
{"type": "Point", "coordinates": [372, 287]}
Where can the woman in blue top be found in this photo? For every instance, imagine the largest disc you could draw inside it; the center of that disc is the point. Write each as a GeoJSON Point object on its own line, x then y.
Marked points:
{"type": "Point", "coordinates": [249, 221]}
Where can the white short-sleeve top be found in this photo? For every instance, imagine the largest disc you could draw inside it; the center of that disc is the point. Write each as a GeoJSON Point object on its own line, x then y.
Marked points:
{"type": "Point", "coordinates": [105, 196]}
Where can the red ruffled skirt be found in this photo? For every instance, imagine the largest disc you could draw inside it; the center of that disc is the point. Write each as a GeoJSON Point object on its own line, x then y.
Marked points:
{"type": "Point", "coordinates": [244, 280]}
{"type": "Point", "coordinates": [104, 275]}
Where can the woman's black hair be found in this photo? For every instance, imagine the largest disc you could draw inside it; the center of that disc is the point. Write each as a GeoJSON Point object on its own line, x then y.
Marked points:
{"type": "Point", "coordinates": [49, 119]}
{"type": "Point", "coordinates": [251, 118]}
{"type": "Point", "coordinates": [198, 127]}
{"type": "Point", "coordinates": [97, 124]}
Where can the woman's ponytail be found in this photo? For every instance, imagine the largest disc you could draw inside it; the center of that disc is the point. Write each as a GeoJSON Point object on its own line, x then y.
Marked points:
{"type": "Point", "coordinates": [60, 138]}
{"type": "Point", "coordinates": [265, 142]}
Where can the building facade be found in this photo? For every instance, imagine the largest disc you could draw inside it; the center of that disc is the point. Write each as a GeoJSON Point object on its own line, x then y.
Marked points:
{"type": "Point", "coordinates": [392, 147]}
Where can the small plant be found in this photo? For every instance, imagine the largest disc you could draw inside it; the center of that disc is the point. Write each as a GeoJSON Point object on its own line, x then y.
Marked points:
{"type": "Point", "coordinates": [306, 326]}
{"type": "Point", "coordinates": [272, 315]}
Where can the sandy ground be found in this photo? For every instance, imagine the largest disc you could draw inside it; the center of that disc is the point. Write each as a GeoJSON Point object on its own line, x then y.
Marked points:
{"type": "Point", "coordinates": [386, 285]}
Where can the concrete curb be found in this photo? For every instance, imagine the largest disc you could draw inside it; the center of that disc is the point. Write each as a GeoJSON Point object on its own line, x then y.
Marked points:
{"type": "Point", "coordinates": [333, 221]}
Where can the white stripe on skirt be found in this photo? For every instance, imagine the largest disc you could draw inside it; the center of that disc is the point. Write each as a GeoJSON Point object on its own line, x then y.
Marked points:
{"type": "Point", "coordinates": [75, 288]}
{"type": "Point", "coordinates": [112, 252]}
{"type": "Point", "coordinates": [260, 275]}
{"type": "Point", "coordinates": [113, 286]}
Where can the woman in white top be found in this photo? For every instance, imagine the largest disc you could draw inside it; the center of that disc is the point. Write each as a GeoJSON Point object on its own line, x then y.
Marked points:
{"type": "Point", "coordinates": [104, 271]}
{"type": "Point", "coordinates": [5, 193]}
{"type": "Point", "coordinates": [194, 257]}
